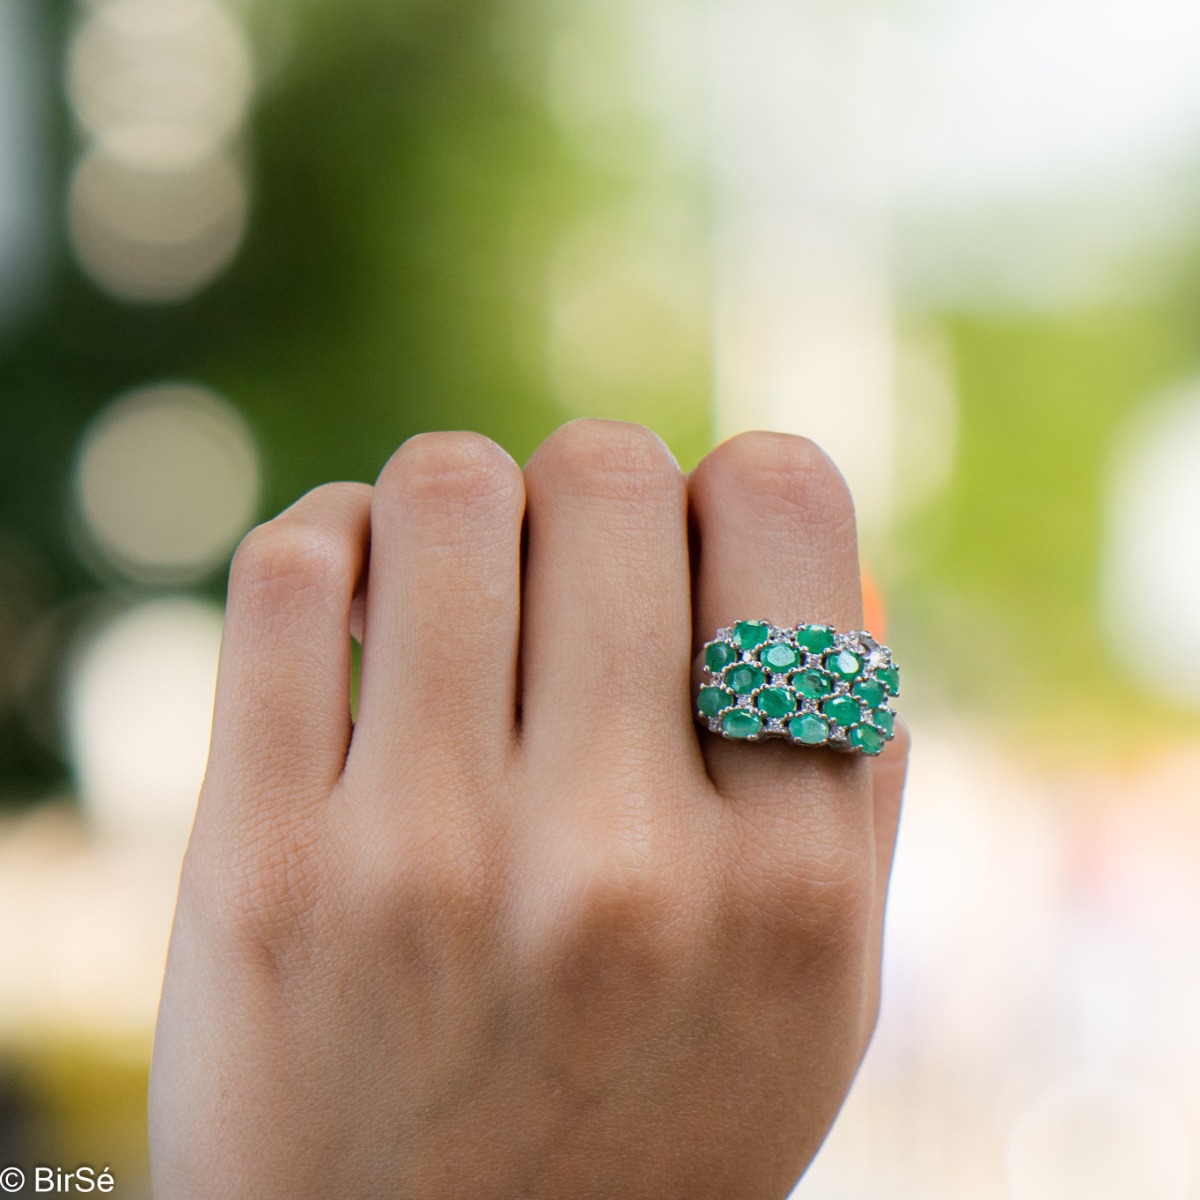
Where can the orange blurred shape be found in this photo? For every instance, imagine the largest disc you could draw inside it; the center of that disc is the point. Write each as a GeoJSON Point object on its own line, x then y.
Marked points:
{"type": "Point", "coordinates": [874, 610]}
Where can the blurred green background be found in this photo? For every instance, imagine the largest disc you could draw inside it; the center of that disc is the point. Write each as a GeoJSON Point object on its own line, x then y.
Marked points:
{"type": "Point", "coordinates": [246, 248]}
{"type": "Point", "coordinates": [409, 187]}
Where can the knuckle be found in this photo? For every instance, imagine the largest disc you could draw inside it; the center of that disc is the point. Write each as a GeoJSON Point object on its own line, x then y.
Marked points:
{"type": "Point", "coordinates": [441, 877]}
{"type": "Point", "coordinates": [450, 471]}
{"type": "Point", "coordinates": [789, 475]}
{"type": "Point", "coordinates": [260, 892]}
{"type": "Point", "coordinates": [829, 900]}
{"type": "Point", "coordinates": [429, 910]}
{"type": "Point", "coordinates": [813, 900]}
{"type": "Point", "coordinates": [610, 460]}
{"type": "Point", "coordinates": [444, 889]}
{"type": "Point", "coordinates": [277, 560]}
{"type": "Point", "coordinates": [616, 921]}
{"type": "Point", "coordinates": [335, 495]}
{"type": "Point", "coordinates": [832, 889]}
{"type": "Point", "coordinates": [621, 897]}
{"type": "Point", "coordinates": [341, 494]}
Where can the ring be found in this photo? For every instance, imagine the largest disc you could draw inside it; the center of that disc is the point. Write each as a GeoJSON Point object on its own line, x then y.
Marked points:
{"type": "Point", "coordinates": [807, 683]}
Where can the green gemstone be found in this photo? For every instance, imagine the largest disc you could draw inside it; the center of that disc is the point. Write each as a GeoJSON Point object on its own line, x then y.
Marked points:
{"type": "Point", "coordinates": [713, 700]}
{"type": "Point", "coordinates": [749, 635]}
{"type": "Point", "coordinates": [744, 678]}
{"type": "Point", "coordinates": [844, 665]}
{"type": "Point", "coordinates": [816, 638]}
{"type": "Point", "coordinates": [776, 702]}
{"type": "Point", "coordinates": [843, 710]}
{"type": "Point", "coordinates": [741, 724]}
{"type": "Point", "coordinates": [890, 677]}
{"type": "Point", "coordinates": [866, 739]}
{"type": "Point", "coordinates": [809, 729]}
{"type": "Point", "coordinates": [718, 656]}
{"type": "Point", "coordinates": [870, 692]}
{"type": "Point", "coordinates": [812, 685]}
{"type": "Point", "coordinates": [885, 720]}
{"type": "Point", "coordinates": [779, 657]}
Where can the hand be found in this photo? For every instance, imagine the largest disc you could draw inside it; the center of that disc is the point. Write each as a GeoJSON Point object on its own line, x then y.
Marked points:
{"type": "Point", "coordinates": [524, 930]}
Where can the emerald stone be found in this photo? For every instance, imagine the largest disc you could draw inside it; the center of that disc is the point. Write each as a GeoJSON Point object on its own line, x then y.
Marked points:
{"type": "Point", "coordinates": [890, 677]}
{"type": "Point", "coordinates": [713, 700]}
{"type": "Point", "coordinates": [779, 658]}
{"type": "Point", "coordinates": [718, 656]}
{"type": "Point", "coordinates": [885, 720]}
{"type": "Point", "coordinates": [741, 724]}
{"type": "Point", "coordinates": [866, 739]}
{"type": "Point", "coordinates": [749, 635]}
{"type": "Point", "coordinates": [776, 702]}
{"type": "Point", "coordinates": [744, 678]}
{"type": "Point", "coordinates": [844, 665]}
{"type": "Point", "coordinates": [809, 729]}
{"type": "Point", "coordinates": [814, 638]}
{"type": "Point", "coordinates": [812, 685]}
{"type": "Point", "coordinates": [870, 692]}
{"type": "Point", "coordinates": [843, 710]}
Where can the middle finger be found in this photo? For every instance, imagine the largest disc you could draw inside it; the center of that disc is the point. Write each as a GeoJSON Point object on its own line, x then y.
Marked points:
{"type": "Point", "coordinates": [606, 622]}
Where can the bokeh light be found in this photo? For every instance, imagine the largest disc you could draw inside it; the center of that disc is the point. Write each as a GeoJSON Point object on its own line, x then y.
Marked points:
{"type": "Point", "coordinates": [1046, 94]}
{"type": "Point", "coordinates": [163, 83]}
{"type": "Point", "coordinates": [927, 416]}
{"type": "Point", "coordinates": [94, 919]}
{"type": "Point", "coordinates": [156, 235]}
{"type": "Point", "coordinates": [167, 480]}
{"type": "Point", "coordinates": [626, 82]}
{"type": "Point", "coordinates": [629, 317]}
{"type": "Point", "coordinates": [1152, 567]}
{"type": "Point", "coordinates": [138, 714]}
{"type": "Point", "coordinates": [805, 307]}
{"type": "Point", "coordinates": [159, 201]}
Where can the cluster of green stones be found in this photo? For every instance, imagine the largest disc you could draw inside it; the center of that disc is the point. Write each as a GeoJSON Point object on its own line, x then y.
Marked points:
{"type": "Point", "coordinates": [809, 684]}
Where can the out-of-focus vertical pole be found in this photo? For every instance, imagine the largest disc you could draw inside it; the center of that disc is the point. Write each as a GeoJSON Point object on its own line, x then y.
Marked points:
{"type": "Point", "coordinates": [24, 252]}
{"type": "Point", "coordinates": [804, 316]}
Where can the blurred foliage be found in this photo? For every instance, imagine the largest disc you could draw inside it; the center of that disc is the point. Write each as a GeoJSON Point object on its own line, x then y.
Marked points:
{"type": "Point", "coordinates": [75, 1103]}
{"type": "Point", "coordinates": [996, 584]}
{"type": "Point", "coordinates": [410, 187]}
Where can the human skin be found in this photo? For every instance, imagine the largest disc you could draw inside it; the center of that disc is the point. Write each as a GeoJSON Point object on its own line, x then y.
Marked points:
{"type": "Point", "coordinates": [524, 930]}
